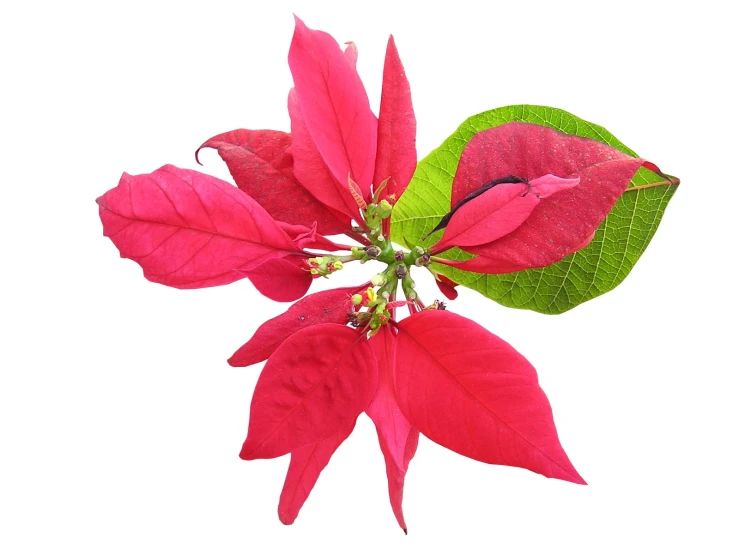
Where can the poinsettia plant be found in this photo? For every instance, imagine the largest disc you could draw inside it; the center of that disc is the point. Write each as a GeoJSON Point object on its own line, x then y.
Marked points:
{"type": "Point", "coordinates": [529, 205]}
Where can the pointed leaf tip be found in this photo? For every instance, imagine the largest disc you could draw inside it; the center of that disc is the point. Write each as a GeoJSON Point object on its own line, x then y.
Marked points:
{"type": "Point", "coordinates": [396, 127]}
{"type": "Point", "coordinates": [490, 391]}
{"type": "Point", "coordinates": [306, 465]}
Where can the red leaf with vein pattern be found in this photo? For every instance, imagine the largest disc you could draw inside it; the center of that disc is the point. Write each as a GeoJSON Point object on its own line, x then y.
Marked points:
{"type": "Point", "coordinates": [471, 392]}
{"type": "Point", "coordinates": [262, 167]}
{"type": "Point", "coordinates": [335, 106]}
{"type": "Point", "coordinates": [330, 306]}
{"type": "Point", "coordinates": [306, 464]}
{"type": "Point", "coordinates": [190, 230]}
{"type": "Point", "coordinates": [314, 385]}
{"type": "Point", "coordinates": [396, 128]}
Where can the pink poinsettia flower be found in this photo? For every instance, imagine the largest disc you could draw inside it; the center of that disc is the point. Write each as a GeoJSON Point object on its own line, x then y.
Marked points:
{"type": "Point", "coordinates": [523, 196]}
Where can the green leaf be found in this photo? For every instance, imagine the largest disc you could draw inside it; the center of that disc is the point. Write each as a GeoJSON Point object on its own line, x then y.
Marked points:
{"type": "Point", "coordinates": [601, 266]}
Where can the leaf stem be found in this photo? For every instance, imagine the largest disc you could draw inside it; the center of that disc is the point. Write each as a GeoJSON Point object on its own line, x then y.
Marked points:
{"type": "Point", "coordinates": [359, 238]}
{"type": "Point", "coordinates": [668, 182]}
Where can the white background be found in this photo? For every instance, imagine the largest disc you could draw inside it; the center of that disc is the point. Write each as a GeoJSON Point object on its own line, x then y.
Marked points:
{"type": "Point", "coordinates": [120, 420]}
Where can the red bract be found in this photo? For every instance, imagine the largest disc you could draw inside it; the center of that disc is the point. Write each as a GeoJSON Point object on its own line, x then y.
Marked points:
{"type": "Point", "coordinates": [396, 134]}
{"type": "Point", "coordinates": [398, 438]}
{"type": "Point", "coordinates": [262, 167]}
{"type": "Point", "coordinates": [282, 279]}
{"type": "Point", "coordinates": [306, 464]}
{"type": "Point", "coordinates": [578, 181]}
{"type": "Point", "coordinates": [189, 230]}
{"type": "Point", "coordinates": [471, 392]}
{"type": "Point", "coordinates": [523, 196]}
{"type": "Point", "coordinates": [334, 106]}
{"type": "Point", "coordinates": [314, 385]}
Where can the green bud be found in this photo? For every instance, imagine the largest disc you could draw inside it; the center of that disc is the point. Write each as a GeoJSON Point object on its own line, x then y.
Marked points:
{"type": "Point", "coordinates": [378, 280]}
{"type": "Point", "coordinates": [356, 299]}
{"type": "Point", "coordinates": [384, 209]}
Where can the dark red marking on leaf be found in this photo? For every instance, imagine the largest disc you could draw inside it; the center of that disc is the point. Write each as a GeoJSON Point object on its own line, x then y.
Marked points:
{"type": "Point", "coordinates": [334, 105]}
{"type": "Point", "coordinates": [314, 385]}
{"type": "Point", "coordinates": [306, 464]}
{"type": "Point", "coordinates": [498, 211]}
{"type": "Point", "coordinates": [471, 392]}
{"type": "Point", "coordinates": [508, 179]}
{"type": "Point", "coordinates": [330, 306]}
{"type": "Point", "coordinates": [190, 230]}
{"type": "Point", "coordinates": [488, 217]}
{"type": "Point", "coordinates": [262, 167]}
{"type": "Point", "coordinates": [396, 131]}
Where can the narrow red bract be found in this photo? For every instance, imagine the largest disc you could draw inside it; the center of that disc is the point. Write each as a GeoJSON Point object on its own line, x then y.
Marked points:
{"type": "Point", "coordinates": [396, 133]}
{"type": "Point", "coordinates": [396, 475]}
{"type": "Point", "coordinates": [311, 169]}
{"type": "Point", "coordinates": [471, 392]}
{"type": "Point", "coordinates": [335, 106]}
{"type": "Point", "coordinates": [314, 385]}
{"type": "Point", "coordinates": [331, 306]}
{"type": "Point", "coordinates": [306, 464]}
{"type": "Point", "coordinates": [392, 426]}
{"type": "Point", "coordinates": [262, 167]}
{"type": "Point", "coordinates": [398, 438]}
{"type": "Point", "coordinates": [189, 230]}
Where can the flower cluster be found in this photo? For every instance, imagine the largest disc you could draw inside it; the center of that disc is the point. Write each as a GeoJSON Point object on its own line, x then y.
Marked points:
{"type": "Point", "coordinates": [524, 196]}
